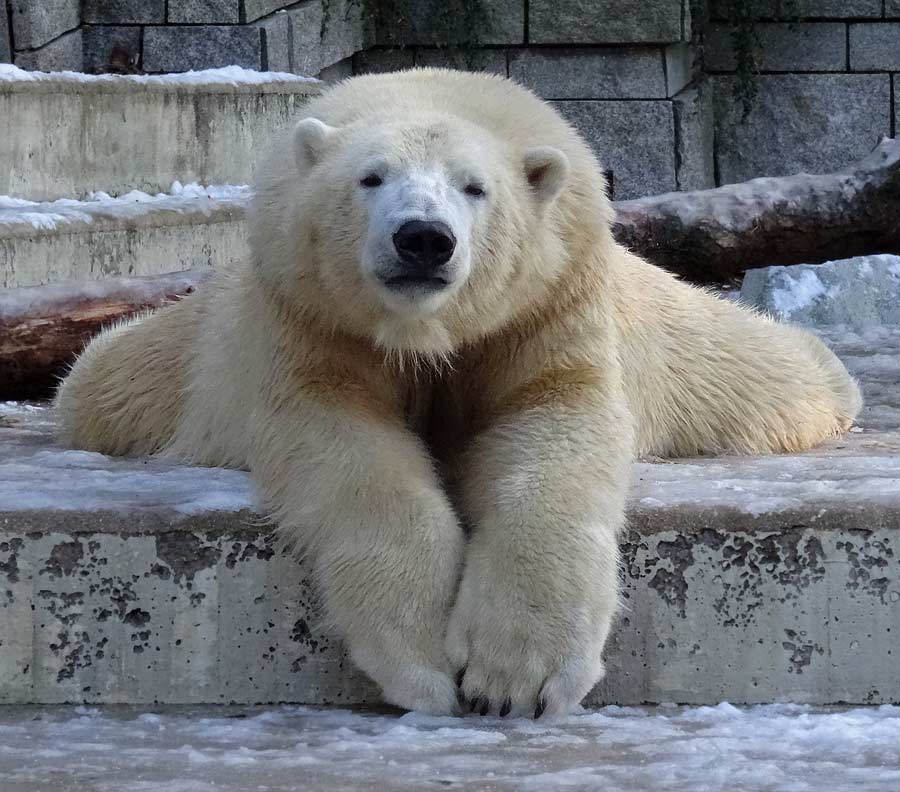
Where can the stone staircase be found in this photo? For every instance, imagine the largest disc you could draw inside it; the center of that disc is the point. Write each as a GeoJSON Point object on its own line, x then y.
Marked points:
{"type": "Point", "coordinates": [69, 141]}
{"type": "Point", "coordinates": [135, 581]}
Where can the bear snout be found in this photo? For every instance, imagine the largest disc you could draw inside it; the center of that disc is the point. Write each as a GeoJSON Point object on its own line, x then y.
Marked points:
{"type": "Point", "coordinates": [423, 248]}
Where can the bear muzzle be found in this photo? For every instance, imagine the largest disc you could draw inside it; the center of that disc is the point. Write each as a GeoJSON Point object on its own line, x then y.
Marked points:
{"type": "Point", "coordinates": [424, 249]}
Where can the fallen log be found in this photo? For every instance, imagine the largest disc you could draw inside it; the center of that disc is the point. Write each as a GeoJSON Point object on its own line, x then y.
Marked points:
{"type": "Point", "coordinates": [714, 236]}
{"type": "Point", "coordinates": [43, 328]}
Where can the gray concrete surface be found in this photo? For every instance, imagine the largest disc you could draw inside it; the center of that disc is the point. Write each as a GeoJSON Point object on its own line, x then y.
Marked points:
{"type": "Point", "coordinates": [135, 135]}
{"type": "Point", "coordinates": [746, 579]}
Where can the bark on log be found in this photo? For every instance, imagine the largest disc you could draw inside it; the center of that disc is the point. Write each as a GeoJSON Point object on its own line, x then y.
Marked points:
{"type": "Point", "coordinates": [43, 328]}
{"type": "Point", "coordinates": [713, 236]}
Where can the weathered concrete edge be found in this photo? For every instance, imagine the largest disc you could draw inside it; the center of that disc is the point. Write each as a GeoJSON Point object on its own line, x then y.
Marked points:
{"type": "Point", "coordinates": [798, 615]}
{"type": "Point", "coordinates": [130, 523]}
{"type": "Point", "coordinates": [646, 522]}
{"type": "Point", "coordinates": [103, 221]}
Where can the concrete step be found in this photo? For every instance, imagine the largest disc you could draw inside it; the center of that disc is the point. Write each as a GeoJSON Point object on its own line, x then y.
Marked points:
{"type": "Point", "coordinates": [134, 234]}
{"type": "Point", "coordinates": [66, 134]}
{"type": "Point", "coordinates": [746, 579]}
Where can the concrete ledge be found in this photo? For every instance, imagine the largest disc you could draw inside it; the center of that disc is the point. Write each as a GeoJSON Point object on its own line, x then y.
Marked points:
{"type": "Point", "coordinates": [135, 234]}
{"type": "Point", "coordinates": [746, 579]}
{"type": "Point", "coordinates": [138, 132]}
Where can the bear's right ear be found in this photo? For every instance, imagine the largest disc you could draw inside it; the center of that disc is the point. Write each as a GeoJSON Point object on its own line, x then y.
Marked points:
{"type": "Point", "coordinates": [547, 170]}
{"type": "Point", "coordinates": [310, 136]}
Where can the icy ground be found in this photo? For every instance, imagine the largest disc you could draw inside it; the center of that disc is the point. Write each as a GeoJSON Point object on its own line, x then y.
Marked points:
{"type": "Point", "coordinates": [772, 748]}
{"type": "Point", "coordinates": [862, 467]}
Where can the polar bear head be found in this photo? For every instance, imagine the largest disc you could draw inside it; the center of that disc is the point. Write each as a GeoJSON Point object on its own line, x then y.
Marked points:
{"type": "Point", "coordinates": [420, 229]}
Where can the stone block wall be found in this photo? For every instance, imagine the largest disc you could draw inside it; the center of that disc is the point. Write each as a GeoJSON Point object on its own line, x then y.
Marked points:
{"type": "Point", "coordinates": [619, 70]}
{"type": "Point", "coordinates": [42, 35]}
{"type": "Point", "coordinates": [134, 36]}
{"type": "Point", "coordinates": [652, 84]}
{"type": "Point", "coordinates": [826, 88]}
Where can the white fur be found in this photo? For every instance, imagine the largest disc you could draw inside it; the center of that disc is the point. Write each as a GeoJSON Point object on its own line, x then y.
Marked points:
{"type": "Point", "coordinates": [512, 403]}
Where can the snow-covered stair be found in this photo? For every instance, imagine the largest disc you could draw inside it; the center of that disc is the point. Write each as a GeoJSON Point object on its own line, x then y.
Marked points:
{"type": "Point", "coordinates": [63, 135]}
{"type": "Point", "coordinates": [70, 141]}
{"type": "Point", "coordinates": [132, 234]}
{"type": "Point", "coordinates": [746, 579]}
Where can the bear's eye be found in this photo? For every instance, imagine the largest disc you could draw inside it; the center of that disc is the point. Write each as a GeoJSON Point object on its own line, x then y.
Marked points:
{"type": "Point", "coordinates": [372, 180]}
{"type": "Point", "coordinates": [475, 190]}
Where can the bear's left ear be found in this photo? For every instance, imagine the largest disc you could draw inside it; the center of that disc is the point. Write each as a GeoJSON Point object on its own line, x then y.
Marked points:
{"type": "Point", "coordinates": [310, 136]}
{"type": "Point", "coordinates": [547, 170]}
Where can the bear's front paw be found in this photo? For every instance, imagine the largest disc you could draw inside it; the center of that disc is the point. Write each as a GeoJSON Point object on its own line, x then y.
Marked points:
{"type": "Point", "coordinates": [409, 681]}
{"type": "Point", "coordinates": [522, 653]}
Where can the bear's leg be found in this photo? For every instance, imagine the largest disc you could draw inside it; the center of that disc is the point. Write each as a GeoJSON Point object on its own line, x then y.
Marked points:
{"type": "Point", "coordinates": [124, 394]}
{"type": "Point", "coordinates": [544, 489]}
{"type": "Point", "coordinates": [358, 493]}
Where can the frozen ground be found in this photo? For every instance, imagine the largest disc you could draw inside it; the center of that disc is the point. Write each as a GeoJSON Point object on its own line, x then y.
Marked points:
{"type": "Point", "coordinates": [776, 748]}
{"type": "Point", "coordinates": [35, 473]}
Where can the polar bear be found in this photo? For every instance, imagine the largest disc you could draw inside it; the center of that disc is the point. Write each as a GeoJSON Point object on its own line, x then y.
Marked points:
{"type": "Point", "coordinates": [438, 366]}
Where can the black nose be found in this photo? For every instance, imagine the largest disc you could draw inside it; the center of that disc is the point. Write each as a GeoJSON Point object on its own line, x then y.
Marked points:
{"type": "Point", "coordinates": [424, 245]}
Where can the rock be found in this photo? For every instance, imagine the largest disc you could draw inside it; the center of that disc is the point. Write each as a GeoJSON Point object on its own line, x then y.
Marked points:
{"type": "Point", "coordinates": [36, 23]}
{"type": "Point", "coordinates": [112, 48]}
{"type": "Point", "coordinates": [179, 49]}
{"type": "Point", "coordinates": [791, 10]}
{"type": "Point", "coordinates": [205, 11]}
{"type": "Point", "coordinates": [5, 46]}
{"type": "Point", "coordinates": [784, 46]}
{"type": "Point", "coordinates": [607, 73]}
{"type": "Point", "coordinates": [855, 292]}
{"type": "Point", "coordinates": [62, 54]}
{"type": "Point", "coordinates": [485, 60]}
{"type": "Point", "coordinates": [634, 140]}
{"type": "Point", "coordinates": [607, 21]}
{"type": "Point", "coordinates": [124, 12]}
{"type": "Point", "coordinates": [799, 123]}
{"type": "Point", "coordinates": [875, 46]}
{"type": "Point", "coordinates": [277, 39]}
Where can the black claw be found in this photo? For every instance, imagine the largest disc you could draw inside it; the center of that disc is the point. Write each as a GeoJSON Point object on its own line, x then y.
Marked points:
{"type": "Point", "coordinates": [474, 703]}
{"type": "Point", "coordinates": [539, 709]}
{"type": "Point", "coordinates": [504, 710]}
{"type": "Point", "coordinates": [485, 706]}
{"type": "Point", "coordinates": [459, 676]}
{"type": "Point", "coordinates": [461, 699]}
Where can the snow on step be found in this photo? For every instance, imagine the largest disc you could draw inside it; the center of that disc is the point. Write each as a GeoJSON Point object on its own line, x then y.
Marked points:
{"type": "Point", "coordinates": [136, 131]}
{"type": "Point", "coordinates": [746, 579]}
{"type": "Point", "coordinates": [616, 749]}
{"type": "Point", "coordinates": [133, 234]}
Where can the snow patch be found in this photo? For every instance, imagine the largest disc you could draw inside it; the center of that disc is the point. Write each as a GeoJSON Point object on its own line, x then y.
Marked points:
{"type": "Point", "coordinates": [181, 198]}
{"type": "Point", "coordinates": [754, 749]}
{"type": "Point", "coordinates": [227, 75]}
{"type": "Point", "coordinates": [796, 293]}
{"type": "Point", "coordinates": [36, 473]}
